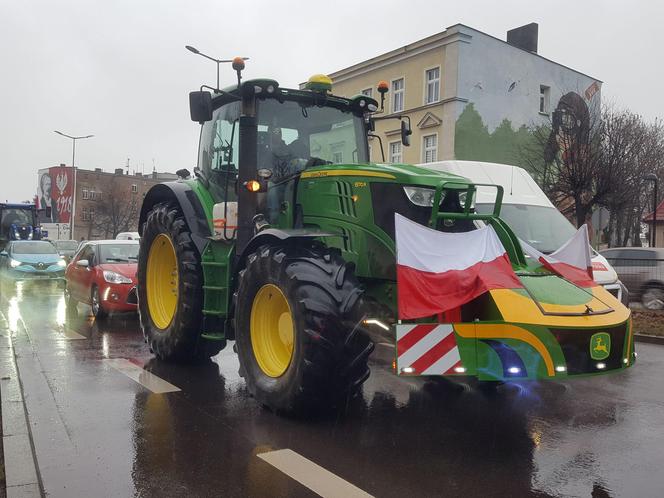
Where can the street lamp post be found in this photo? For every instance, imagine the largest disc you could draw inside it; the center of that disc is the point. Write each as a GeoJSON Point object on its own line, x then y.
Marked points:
{"type": "Point", "coordinates": [73, 165]}
{"type": "Point", "coordinates": [194, 50]}
{"type": "Point", "coordinates": [653, 178]}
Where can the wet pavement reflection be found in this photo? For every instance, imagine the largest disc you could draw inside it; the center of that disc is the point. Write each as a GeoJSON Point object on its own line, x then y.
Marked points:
{"type": "Point", "coordinates": [97, 432]}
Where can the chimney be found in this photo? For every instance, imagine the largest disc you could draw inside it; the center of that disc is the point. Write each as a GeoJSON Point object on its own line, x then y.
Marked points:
{"type": "Point", "coordinates": [524, 37]}
{"type": "Point", "coordinates": [62, 165]}
{"type": "Point", "coordinates": [119, 171]}
{"type": "Point", "coordinates": [98, 170]}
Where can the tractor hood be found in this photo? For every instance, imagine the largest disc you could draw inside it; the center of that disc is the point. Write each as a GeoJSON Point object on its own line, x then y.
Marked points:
{"type": "Point", "coordinates": [399, 173]}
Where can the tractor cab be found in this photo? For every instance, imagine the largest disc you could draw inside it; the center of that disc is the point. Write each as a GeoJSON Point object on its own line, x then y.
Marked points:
{"type": "Point", "coordinates": [18, 222]}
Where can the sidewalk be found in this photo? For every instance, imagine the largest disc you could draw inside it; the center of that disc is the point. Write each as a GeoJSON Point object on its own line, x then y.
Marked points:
{"type": "Point", "coordinates": [21, 473]}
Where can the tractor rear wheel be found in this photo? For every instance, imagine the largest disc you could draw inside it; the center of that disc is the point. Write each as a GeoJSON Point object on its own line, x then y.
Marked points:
{"type": "Point", "coordinates": [297, 333]}
{"type": "Point", "coordinates": [170, 288]}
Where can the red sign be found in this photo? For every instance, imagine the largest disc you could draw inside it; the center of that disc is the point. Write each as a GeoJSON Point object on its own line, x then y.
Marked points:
{"type": "Point", "coordinates": [56, 190]}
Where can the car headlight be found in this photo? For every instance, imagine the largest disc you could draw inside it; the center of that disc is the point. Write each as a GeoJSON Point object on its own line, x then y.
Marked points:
{"type": "Point", "coordinates": [420, 196]}
{"type": "Point", "coordinates": [13, 263]}
{"type": "Point", "coordinates": [62, 263]}
{"type": "Point", "coordinates": [115, 278]}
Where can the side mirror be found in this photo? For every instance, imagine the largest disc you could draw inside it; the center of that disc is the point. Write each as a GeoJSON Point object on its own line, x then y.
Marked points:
{"type": "Point", "coordinates": [83, 263]}
{"type": "Point", "coordinates": [4, 254]}
{"type": "Point", "coordinates": [406, 132]}
{"type": "Point", "coordinates": [200, 106]}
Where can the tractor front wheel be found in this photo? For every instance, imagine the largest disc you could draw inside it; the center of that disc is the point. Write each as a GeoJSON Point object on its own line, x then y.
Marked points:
{"type": "Point", "coordinates": [170, 288]}
{"type": "Point", "coordinates": [297, 333]}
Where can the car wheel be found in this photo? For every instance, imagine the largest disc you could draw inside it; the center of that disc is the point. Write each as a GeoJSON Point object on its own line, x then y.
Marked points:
{"type": "Point", "coordinates": [653, 298]}
{"type": "Point", "coordinates": [98, 310]}
{"type": "Point", "coordinates": [70, 302]}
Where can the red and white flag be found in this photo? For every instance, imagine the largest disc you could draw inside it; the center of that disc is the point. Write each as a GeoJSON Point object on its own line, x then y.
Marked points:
{"type": "Point", "coordinates": [572, 261]}
{"type": "Point", "coordinates": [439, 271]}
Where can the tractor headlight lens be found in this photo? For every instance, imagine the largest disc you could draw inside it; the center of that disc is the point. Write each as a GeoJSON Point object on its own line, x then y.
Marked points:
{"type": "Point", "coordinates": [420, 196]}
{"type": "Point", "coordinates": [13, 263]}
{"type": "Point", "coordinates": [115, 278]}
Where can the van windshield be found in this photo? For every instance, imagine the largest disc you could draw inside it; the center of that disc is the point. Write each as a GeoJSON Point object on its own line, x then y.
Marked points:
{"type": "Point", "coordinates": [543, 227]}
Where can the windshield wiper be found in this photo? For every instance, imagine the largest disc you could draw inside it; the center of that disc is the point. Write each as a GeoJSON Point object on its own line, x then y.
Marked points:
{"type": "Point", "coordinates": [118, 259]}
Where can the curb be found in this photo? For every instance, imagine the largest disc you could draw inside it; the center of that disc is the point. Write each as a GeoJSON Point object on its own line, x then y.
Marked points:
{"type": "Point", "coordinates": [21, 471]}
{"type": "Point", "coordinates": [652, 339]}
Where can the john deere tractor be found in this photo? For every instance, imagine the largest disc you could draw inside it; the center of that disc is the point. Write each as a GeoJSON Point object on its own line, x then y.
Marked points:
{"type": "Point", "coordinates": [284, 242]}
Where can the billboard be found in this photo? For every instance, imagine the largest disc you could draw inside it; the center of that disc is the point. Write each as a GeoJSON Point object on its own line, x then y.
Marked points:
{"type": "Point", "coordinates": [55, 190]}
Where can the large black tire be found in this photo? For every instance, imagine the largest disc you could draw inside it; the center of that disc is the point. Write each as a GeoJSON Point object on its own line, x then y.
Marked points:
{"type": "Point", "coordinates": [181, 340]}
{"type": "Point", "coordinates": [330, 350]}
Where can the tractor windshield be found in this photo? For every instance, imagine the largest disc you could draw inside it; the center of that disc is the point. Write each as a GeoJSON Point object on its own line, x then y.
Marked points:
{"type": "Point", "coordinates": [293, 136]}
{"type": "Point", "coordinates": [17, 217]}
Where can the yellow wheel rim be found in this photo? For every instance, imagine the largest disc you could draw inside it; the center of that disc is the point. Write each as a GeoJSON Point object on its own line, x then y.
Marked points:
{"type": "Point", "coordinates": [162, 281]}
{"type": "Point", "coordinates": [272, 330]}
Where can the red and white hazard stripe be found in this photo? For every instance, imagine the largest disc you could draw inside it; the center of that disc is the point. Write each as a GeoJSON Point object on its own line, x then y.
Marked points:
{"type": "Point", "coordinates": [427, 349]}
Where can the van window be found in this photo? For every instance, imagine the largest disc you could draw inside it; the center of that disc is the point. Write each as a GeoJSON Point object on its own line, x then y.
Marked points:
{"type": "Point", "coordinates": [543, 227]}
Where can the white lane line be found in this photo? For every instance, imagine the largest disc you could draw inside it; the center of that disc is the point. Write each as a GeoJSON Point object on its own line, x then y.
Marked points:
{"type": "Point", "coordinates": [143, 377]}
{"type": "Point", "coordinates": [70, 334]}
{"type": "Point", "coordinates": [313, 476]}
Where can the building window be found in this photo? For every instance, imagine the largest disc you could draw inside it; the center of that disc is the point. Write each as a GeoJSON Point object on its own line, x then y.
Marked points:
{"type": "Point", "coordinates": [398, 87]}
{"type": "Point", "coordinates": [395, 152]}
{"type": "Point", "coordinates": [85, 194]}
{"type": "Point", "coordinates": [544, 99]}
{"type": "Point", "coordinates": [337, 157]}
{"type": "Point", "coordinates": [432, 93]}
{"type": "Point", "coordinates": [368, 92]}
{"type": "Point", "coordinates": [430, 148]}
{"type": "Point", "coordinates": [93, 195]}
{"type": "Point", "coordinates": [134, 188]}
{"type": "Point", "coordinates": [84, 213]}
{"type": "Point", "coordinates": [91, 214]}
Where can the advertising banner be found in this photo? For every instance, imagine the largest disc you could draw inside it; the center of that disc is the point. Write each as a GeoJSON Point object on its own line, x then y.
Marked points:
{"type": "Point", "coordinates": [55, 190]}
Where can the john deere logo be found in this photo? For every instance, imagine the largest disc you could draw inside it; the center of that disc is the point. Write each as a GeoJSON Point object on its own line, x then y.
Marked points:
{"type": "Point", "coordinates": [600, 346]}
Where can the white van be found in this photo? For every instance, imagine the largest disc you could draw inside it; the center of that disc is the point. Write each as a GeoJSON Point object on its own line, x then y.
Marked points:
{"type": "Point", "coordinates": [128, 236]}
{"type": "Point", "coordinates": [528, 211]}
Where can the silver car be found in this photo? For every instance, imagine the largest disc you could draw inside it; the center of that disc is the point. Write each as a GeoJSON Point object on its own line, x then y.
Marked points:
{"type": "Point", "coordinates": [641, 270]}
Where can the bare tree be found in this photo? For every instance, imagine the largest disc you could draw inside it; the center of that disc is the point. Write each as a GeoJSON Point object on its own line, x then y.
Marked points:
{"type": "Point", "coordinates": [116, 212]}
{"type": "Point", "coordinates": [585, 158]}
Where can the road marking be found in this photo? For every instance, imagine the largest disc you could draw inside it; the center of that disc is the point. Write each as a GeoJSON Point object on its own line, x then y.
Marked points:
{"type": "Point", "coordinates": [143, 377]}
{"type": "Point", "coordinates": [313, 476]}
{"type": "Point", "coordinates": [70, 334]}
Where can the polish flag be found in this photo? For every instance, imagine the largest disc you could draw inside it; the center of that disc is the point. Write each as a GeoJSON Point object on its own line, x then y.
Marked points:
{"type": "Point", "coordinates": [572, 261]}
{"type": "Point", "coordinates": [439, 271]}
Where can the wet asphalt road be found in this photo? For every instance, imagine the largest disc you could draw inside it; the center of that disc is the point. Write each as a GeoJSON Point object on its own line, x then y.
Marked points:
{"type": "Point", "coordinates": [99, 433]}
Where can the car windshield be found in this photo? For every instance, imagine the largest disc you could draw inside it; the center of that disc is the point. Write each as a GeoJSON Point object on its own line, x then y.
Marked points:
{"type": "Point", "coordinates": [118, 253]}
{"type": "Point", "coordinates": [543, 227]}
{"type": "Point", "coordinates": [33, 247]}
{"type": "Point", "coordinates": [66, 245]}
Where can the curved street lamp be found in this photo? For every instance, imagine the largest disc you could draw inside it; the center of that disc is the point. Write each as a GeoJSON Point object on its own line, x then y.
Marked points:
{"type": "Point", "coordinates": [194, 50]}
{"type": "Point", "coordinates": [73, 165]}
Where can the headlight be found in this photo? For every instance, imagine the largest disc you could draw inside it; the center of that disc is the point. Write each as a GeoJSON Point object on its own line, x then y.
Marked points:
{"type": "Point", "coordinates": [115, 278]}
{"type": "Point", "coordinates": [13, 263]}
{"type": "Point", "coordinates": [420, 196]}
{"type": "Point", "coordinates": [62, 263]}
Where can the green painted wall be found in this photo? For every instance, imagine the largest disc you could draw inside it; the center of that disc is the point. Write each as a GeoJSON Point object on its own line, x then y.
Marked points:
{"type": "Point", "coordinates": [473, 142]}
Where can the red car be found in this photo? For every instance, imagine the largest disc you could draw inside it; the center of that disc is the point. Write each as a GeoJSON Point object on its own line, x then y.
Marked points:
{"type": "Point", "coordinates": [103, 274]}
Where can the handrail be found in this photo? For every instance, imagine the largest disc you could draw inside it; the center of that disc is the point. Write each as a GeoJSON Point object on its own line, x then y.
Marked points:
{"type": "Point", "coordinates": [470, 189]}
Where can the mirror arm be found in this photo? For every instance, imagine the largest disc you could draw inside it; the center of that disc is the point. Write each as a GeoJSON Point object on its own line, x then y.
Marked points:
{"type": "Point", "coordinates": [380, 140]}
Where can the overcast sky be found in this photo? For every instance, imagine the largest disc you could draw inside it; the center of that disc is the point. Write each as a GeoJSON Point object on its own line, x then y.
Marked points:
{"type": "Point", "coordinates": [118, 69]}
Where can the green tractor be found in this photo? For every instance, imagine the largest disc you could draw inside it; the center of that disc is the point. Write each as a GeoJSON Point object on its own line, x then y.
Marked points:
{"type": "Point", "coordinates": [284, 242]}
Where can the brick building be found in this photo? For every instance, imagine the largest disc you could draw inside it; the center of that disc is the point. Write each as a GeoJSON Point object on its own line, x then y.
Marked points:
{"type": "Point", "coordinates": [110, 202]}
